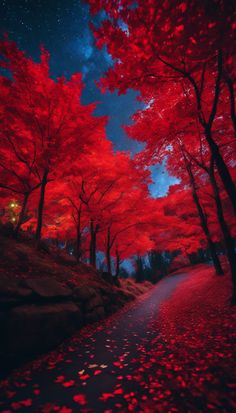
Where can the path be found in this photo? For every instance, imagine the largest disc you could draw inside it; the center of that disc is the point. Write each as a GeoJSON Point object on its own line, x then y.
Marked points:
{"type": "Point", "coordinates": [95, 373]}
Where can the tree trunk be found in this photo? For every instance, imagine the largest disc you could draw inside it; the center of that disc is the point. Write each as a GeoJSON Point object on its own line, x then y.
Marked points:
{"type": "Point", "coordinates": [92, 247]}
{"type": "Point", "coordinates": [91, 242]}
{"type": "Point", "coordinates": [222, 168]}
{"type": "Point", "coordinates": [108, 257]}
{"type": "Point", "coordinates": [204, 224]}
{"type": "Point", "coordinates": [230, 85]}
{"type": "Point", "coordinates": [139, 270]}
{"type": "Point", "coordinates": [108, 252]}
{"type": "Point", "coordinates": [41, 206]}
{"type": "Point", "coordinates": [78, 237]}
{"type": "Point", "coordinates": [229, 242]}
{"type": "Point", "coordinates": [117, 264]}
{"type": "Point", "coordinates": [22, 213]}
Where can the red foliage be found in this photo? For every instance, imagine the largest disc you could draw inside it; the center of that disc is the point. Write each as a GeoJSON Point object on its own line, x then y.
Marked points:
{"type": "Point", "coordinates": [180, 57]}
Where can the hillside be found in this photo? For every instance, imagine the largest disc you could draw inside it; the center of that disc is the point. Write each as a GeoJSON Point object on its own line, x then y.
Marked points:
{"type": "Point", "coordinates": [46, 296]}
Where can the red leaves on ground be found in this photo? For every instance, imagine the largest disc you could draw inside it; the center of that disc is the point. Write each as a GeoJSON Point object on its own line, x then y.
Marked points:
{"type": "Point", "coordinates": [65, 409]}
{"type": "Point", "coordinates": [171, 368]}
{"type": "Point", "coordinates": [68, 383]}
{"type": "Point", "coordinates": [97, 372]}
{"type": "Point", "coordinates": [20, 404]}
{"type": "Point", "coordinates": [118, 364]}
{"type": "Point", "coordinates": [105, 396]}
{"type": "Point", "coordinates": [80, 399]}
{"type": "Point", "coordinates": [50, 408]}
{"type": "Point", "coordinates": [119, 391]}
{"type": "Point", "coordinates": [59, 379]}
{"type": "Point", "coordinates": [84, 377]}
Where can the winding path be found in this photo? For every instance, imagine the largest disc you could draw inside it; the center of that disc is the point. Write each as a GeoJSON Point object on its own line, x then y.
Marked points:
{"type": "Point", "coordinates": [95, 372]}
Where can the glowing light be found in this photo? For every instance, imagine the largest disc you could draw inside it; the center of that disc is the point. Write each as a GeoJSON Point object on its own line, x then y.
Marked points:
{"type": "Point", "coordinates": [13, 204]}
{"type": "Point", "coordinates": [13, 219]}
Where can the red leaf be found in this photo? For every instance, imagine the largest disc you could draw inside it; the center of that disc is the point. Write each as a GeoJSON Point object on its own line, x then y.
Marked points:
{"type": "Point", "coordinates": [80, 398]}
{"type": "Point", "coordinates": [69, 383]}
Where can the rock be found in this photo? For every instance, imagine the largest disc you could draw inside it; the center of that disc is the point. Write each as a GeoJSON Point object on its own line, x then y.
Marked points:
{"type": "Point", "coordinates": [48, 287]}
{"type": "Point", "coordinates": [32, 329]}
{"type": "Point", "coordinates": [113, 308]}
{"type": "Point", "coordinates": [13, 288]}
{"type": "Point", "coordinates": [107, 300]}
{"type": "Point", "coordinates": [125, 297]}
{"type": "Point", "coordinates": [9, 302]}
{"type": "Point", "coordinates": [94, 302]}
{"type": "Point", "coordinates": [96, 314]}
{"type": "Point", "coordinates": [84, 293]}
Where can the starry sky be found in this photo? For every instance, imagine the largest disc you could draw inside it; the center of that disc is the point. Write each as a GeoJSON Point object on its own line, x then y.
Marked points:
{"type": "Point", "coordinates": [62, 27]}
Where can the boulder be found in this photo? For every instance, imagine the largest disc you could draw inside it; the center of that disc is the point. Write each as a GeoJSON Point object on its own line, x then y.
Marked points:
{"type": "Point", "coordinates": [31, 329]}
{"type": "Point", "coordinates": [94, 302]}
{"type": "Point", "coordinates": [125, 296]}
{"type": "Point", "coordinates": [48, 287]}
{"type": "Point", "coordinates": [113, 308]}
{"type": "Point", "coordinates": [84, 293]}
{"type": "Point", "coordinates": [107, 300]}
{"type": "Point", "coordinates": [13, 288]}
{"type": "Point", "coordinates": [95, 315]}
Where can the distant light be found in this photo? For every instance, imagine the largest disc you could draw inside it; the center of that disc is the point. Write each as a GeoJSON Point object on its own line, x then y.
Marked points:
{"type": "Point", "coordinates": [13, 204]}
{"type": "Point", "coordinates": [13, 219]}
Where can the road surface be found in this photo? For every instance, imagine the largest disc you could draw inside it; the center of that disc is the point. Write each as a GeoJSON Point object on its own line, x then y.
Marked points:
{"type": "Point", "coordinates": [94, 373]}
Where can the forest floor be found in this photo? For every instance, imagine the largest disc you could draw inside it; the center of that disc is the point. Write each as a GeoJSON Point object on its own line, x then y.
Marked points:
{"type": "Point", "coordinates": [172, 350]}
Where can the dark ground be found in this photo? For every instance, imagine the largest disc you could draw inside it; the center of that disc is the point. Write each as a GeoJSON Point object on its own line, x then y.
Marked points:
{"type": "Point", "coordinates": [125, 364]}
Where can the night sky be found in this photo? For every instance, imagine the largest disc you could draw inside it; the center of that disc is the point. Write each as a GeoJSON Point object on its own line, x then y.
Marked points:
{"type": "Point", "coordinates": [62, 26]}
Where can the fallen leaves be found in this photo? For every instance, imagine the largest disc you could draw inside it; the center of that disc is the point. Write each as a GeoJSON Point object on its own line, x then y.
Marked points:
{"type": "Point", "coordinates": [68, 383]}
{"type": "Point", "coordinates": [105, 396]}
{"type": "Point", "coordinates": [21, 403]}
{"type": "Point", "coordinates": [80, 399]}
{"type": "Point", "coordinates": [92, 366]}
{"type": "Point", "coordinates": [61, 379]}
{"type": "Point", "coordinates": [97, 372]}
{"type": "Point", "coordinates": [84, 377]}
{"type": "Point", "coordinates": [173, 367]}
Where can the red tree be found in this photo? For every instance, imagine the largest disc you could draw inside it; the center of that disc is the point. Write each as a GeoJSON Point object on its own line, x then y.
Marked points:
{"type": "Point", "coordinates": [174, 43]}
{"type": "Point", "coordinates": [44, 122]}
